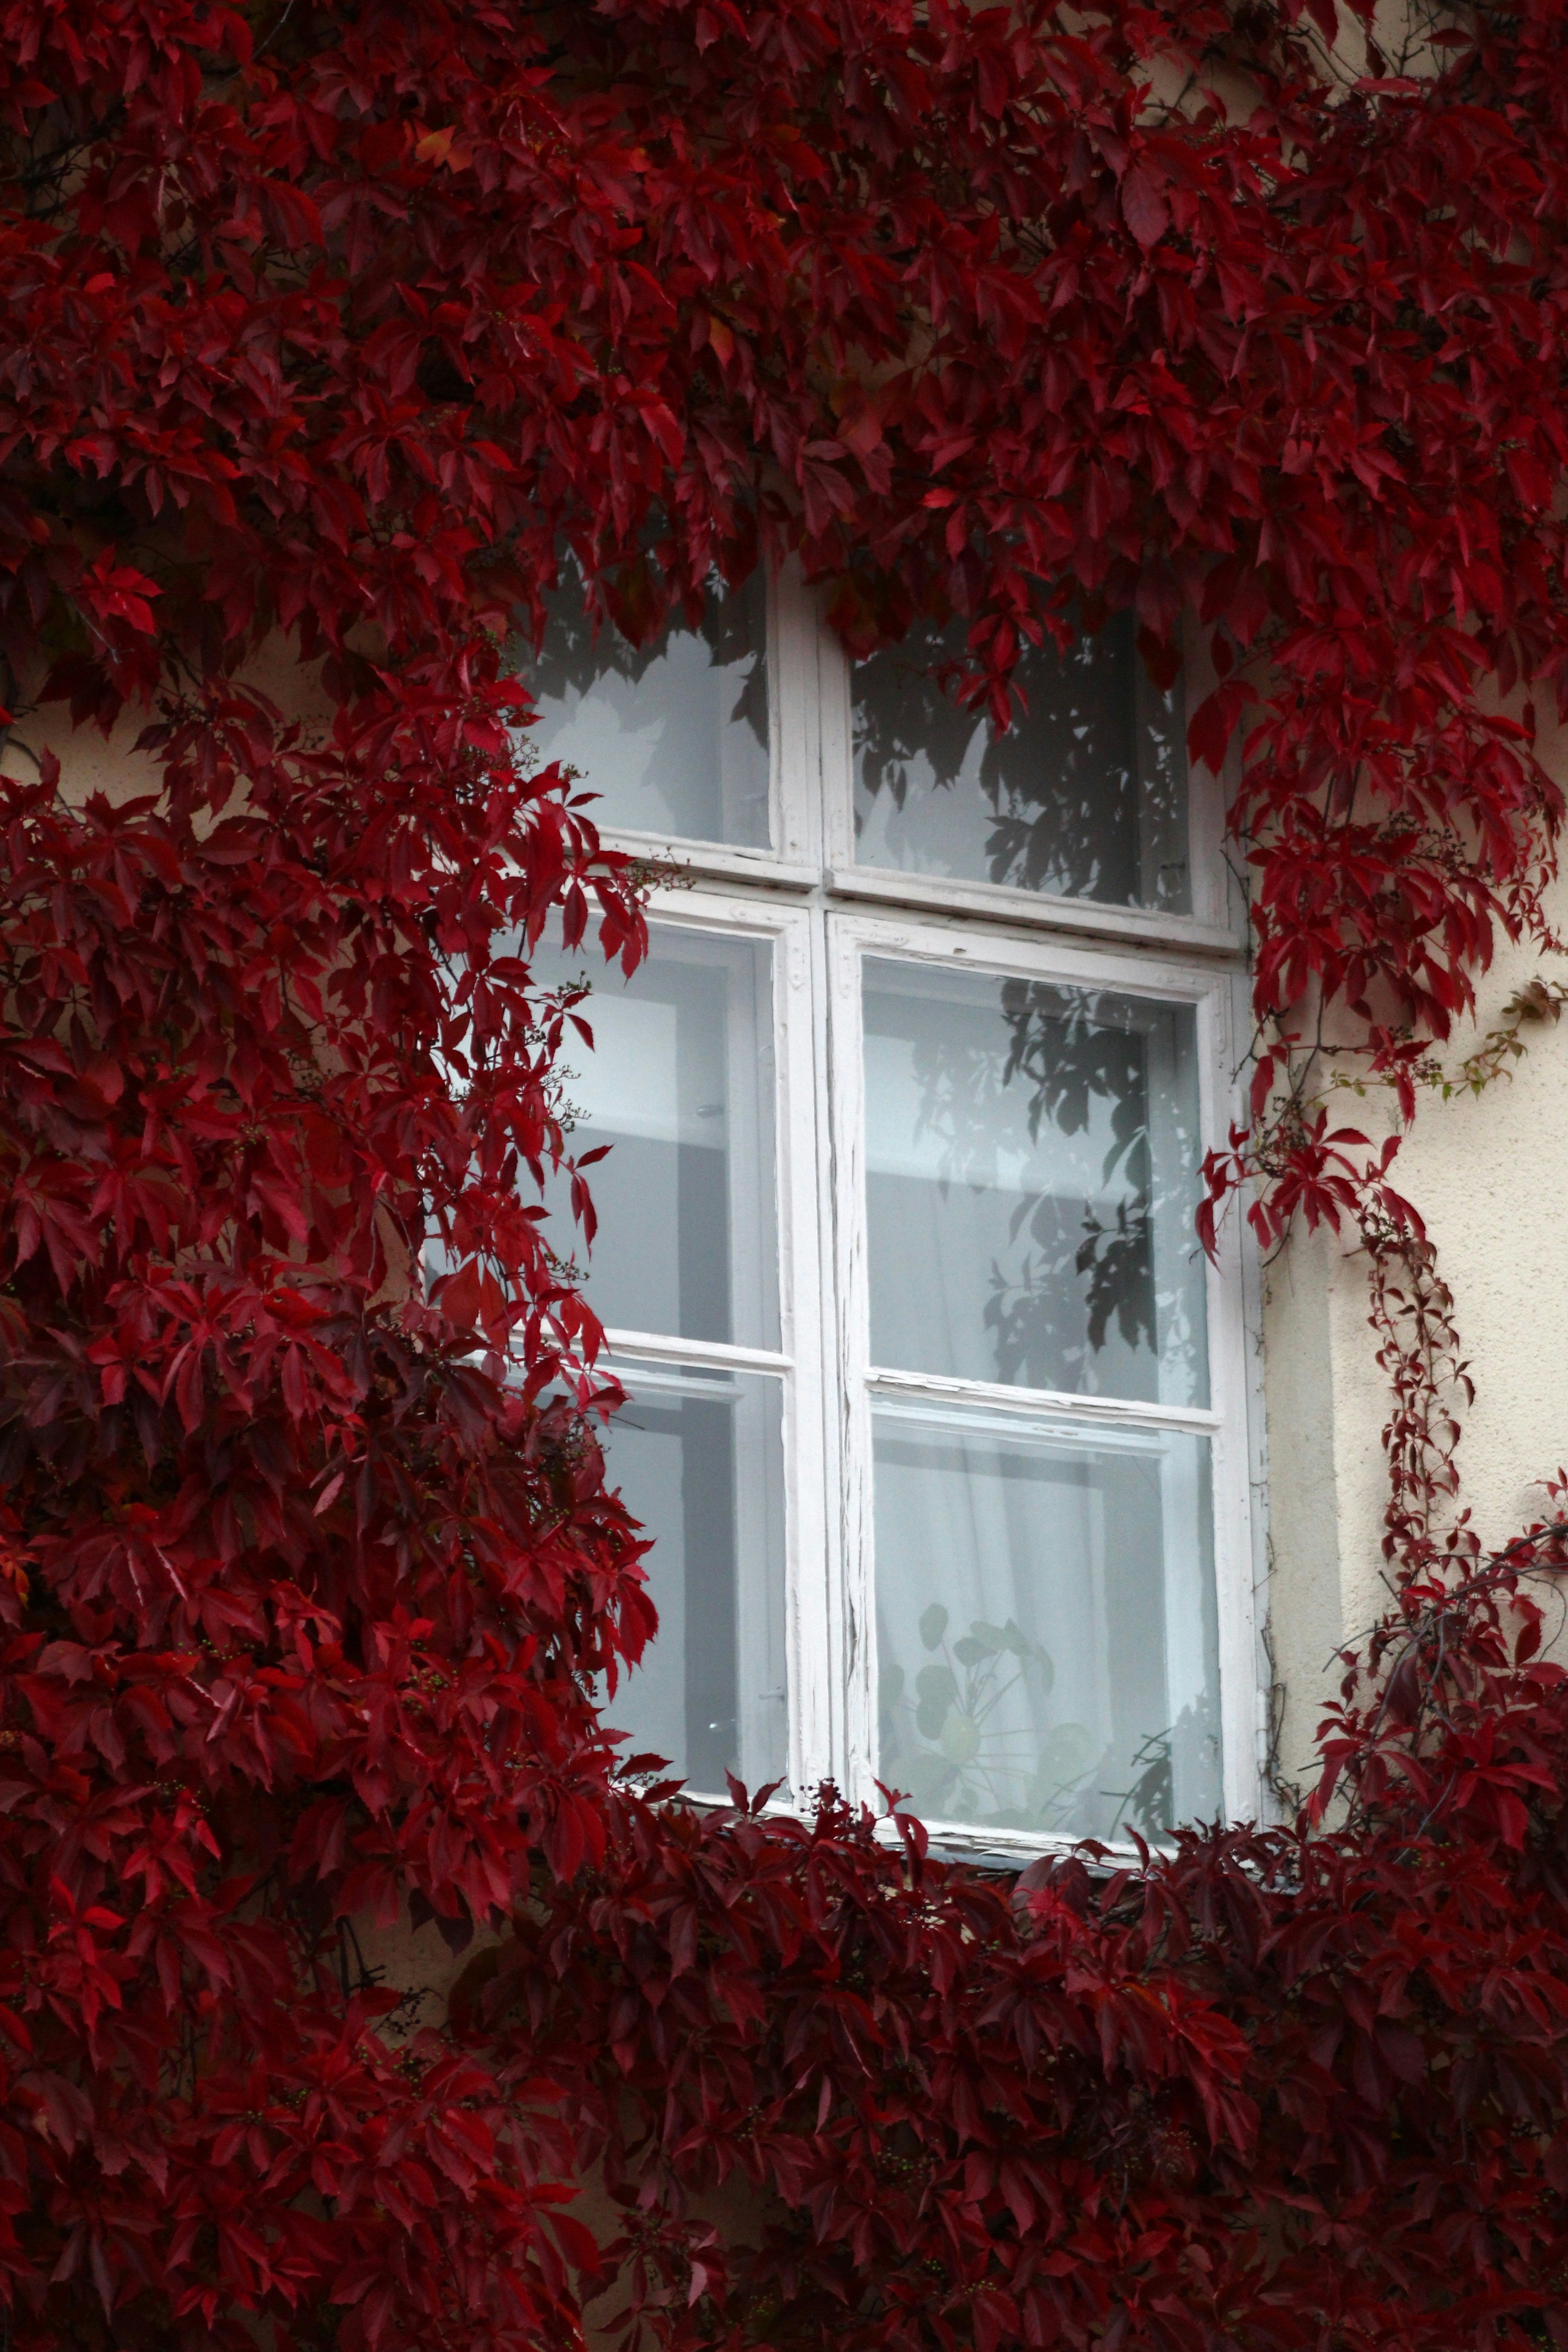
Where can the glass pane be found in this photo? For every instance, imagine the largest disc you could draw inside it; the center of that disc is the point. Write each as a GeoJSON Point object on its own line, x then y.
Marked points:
{"type": "Point", "coordinates": [1084, 796]}
{"type": "Point", "coordinates": [679, 1084]}
{"type": "Point", "coordinates": [699, 1457]}
{"type": "Point", "coordinates": [673, 739]}
{"type": "Point", "coordinates": [1032, 1155]}
{"type": "Point", "coordinates": [1046, 1633]}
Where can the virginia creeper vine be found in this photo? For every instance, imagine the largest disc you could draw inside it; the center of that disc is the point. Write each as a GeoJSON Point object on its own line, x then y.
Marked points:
{"type": "Point", "coordinates": [332, 324]}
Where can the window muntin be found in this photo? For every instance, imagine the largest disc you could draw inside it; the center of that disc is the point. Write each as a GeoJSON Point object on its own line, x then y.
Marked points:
{"type": "Point", "coordinates": [1034, 1151]}
{"type": "Point", "coordinates": [673, 739]}
{"type": "Point", "coordinates": [1086, 795]}
{"type": "Point", "coordinates": [1176, 1409]}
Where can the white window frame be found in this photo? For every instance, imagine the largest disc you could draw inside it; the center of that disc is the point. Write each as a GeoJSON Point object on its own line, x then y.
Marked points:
{"type": "Point", "coordinates": [852, 938]}
{"type": "Point", "coordinates": [798, 1361]}
{"type": "Point", "coordinates": [823, 914]}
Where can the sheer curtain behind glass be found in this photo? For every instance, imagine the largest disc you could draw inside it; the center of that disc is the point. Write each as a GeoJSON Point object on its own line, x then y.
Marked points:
{"type": "Point", "coordinates": [1047, 1640]}
{"type": "Point", "coordinates": [673, 739]}
{"type": "Point", "coordinates": [1084, 796]}
{"type": "Point", "coordinates": [679, 1084]}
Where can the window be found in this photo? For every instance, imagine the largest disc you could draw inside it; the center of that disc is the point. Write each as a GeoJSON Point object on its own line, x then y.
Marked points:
{"type": "Point", "coordinates": [936, 1412]}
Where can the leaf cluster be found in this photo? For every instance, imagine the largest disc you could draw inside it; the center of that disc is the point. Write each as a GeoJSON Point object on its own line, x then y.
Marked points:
{"type": "Point", "coordinates": [341, 323]}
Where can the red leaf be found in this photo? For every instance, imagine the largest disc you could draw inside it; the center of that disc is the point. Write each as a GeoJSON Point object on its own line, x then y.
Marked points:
{"type": "Point", "coordinates": [1144, 208]}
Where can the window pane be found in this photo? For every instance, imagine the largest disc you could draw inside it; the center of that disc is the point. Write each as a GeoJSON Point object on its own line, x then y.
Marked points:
{"type": "Point", "coordinates": [679, 1084]}
{"type": "Point", "coordinates": [1032, 1156]}
{"type": "Point", "coordinates": [1085, 795]}
{"type": "Point", "coordinates": [698, 1456]}
{"type": "Point", "coordinates": [673, 739]}
{"type": "Point", "coordinates": [1047, 1645]}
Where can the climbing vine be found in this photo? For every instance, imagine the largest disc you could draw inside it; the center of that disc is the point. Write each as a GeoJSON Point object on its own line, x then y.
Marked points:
{"type": "Point", "coordinates": [327, 329]}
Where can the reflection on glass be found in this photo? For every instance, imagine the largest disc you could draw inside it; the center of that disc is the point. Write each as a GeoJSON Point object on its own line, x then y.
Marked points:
{"type": "Point", "coordinates": [698, 1456]}
{"type": "Point", "coordinates": [1046, 1629]}
{"type": "Point", "coordinates": [679, 1084]}
{"type": "Point", "coordinates": [673, 739]}
{"type": "Point", "coordinates": [1084, 796]}
{"type": "Point", "coordinates": [1032, 1156]}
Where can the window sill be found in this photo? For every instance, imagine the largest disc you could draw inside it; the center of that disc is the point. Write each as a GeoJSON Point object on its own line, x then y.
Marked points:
{"type": "Point", "coordinates": [1002, 1854]}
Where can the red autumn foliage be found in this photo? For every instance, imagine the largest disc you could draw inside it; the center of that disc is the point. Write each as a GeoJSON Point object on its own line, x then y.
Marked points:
{"type": "Point", "coordinates": [1280, 2090]}
{"type": "Point", "coordinates": [337, 322]}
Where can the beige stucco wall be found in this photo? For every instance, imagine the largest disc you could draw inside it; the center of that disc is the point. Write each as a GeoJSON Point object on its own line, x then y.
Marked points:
{"type": "Point", "coordinates": [92, 761]}
{"type": "Point", "coordinates": [1489, 1176]}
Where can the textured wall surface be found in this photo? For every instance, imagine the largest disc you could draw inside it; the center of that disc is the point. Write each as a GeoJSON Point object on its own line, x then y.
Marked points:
{"type": "Point", "coordinates": [1489, 1176]}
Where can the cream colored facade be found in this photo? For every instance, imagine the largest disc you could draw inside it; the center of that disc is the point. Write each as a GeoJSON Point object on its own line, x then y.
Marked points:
{"type": "Point", "coordinates": [1488, 1174]}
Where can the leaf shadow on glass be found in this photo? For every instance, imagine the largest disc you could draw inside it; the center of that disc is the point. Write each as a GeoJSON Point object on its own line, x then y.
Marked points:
{"type": "Point", "coordinates": [1148, 1804]}
{"type": "Point", "coordinates": [577, 651]}
{"type": "Point", "coordinates": [1083, 797]}
{"type": "Point", "coordinates": [672, 736]}
{"type": "Point", "coordinates": [945, 1738]}
{"type": "Point", "coordinates": [1089, 1270]}
{"type": "Point", "coordinates": [1071, 1059]}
